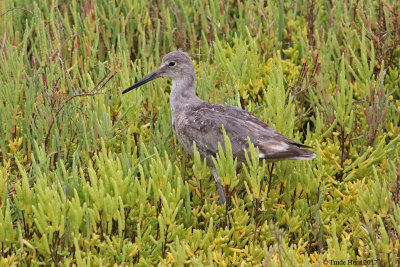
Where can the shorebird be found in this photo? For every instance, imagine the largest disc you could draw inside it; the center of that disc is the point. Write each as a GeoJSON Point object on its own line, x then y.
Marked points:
{"type": "Point", "coordinates": [196, 120]}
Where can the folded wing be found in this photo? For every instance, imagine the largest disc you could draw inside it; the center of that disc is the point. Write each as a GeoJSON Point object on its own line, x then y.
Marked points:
{"type": "Point", "coordinates": [204, 123]}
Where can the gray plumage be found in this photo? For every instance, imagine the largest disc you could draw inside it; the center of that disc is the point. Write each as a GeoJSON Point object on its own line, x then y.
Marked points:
{"type": "Point", "coordinates": [196, 120]}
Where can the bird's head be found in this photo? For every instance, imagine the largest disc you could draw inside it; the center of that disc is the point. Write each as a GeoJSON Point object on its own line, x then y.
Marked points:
{"type": "Point", "coordinates": [175, 65]}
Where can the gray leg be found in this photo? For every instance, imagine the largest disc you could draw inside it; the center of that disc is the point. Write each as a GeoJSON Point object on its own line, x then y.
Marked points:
{"type": "Point", "coordinates": [219, 185]}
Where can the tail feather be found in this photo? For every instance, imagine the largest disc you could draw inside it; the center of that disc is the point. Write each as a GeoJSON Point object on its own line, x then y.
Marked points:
{"type": "Point", "coordinates": [285, 151]}
{"type": "Point", "coordinates": [304, 155]}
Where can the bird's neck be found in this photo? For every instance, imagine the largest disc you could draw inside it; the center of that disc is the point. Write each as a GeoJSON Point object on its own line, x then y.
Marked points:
{"type": "Point", "coordinates": [183, 94]}
{"type": "Point", "coordinates": [184, 87]}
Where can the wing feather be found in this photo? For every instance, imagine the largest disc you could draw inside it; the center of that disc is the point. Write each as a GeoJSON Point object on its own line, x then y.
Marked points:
{"type": "Point", "coordinates": [204, 124]}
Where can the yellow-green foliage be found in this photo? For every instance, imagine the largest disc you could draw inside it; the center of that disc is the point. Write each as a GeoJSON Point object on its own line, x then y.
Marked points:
{"type": "Point", "coordinates": [89, 177]}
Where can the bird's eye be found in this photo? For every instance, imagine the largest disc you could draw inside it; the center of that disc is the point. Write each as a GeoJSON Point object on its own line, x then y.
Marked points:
{"type": "Point", "coordinates": [171, 64]}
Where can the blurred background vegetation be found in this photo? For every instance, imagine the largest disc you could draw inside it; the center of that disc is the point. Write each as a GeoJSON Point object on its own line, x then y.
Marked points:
{"type": "Point", "coordinates": [91, 177]}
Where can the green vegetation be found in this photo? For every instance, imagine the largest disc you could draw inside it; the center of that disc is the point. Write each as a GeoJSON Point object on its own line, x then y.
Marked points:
{"type": "Point", "coordinates": [91, 177]}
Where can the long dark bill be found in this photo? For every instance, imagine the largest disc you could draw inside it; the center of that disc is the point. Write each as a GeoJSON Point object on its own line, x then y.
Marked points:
{"type": "Point", "coordinates": [146, 79]}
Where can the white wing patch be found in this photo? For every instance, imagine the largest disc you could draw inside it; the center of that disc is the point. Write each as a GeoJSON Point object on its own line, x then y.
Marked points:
{"type": "Point", "coordinates": [278, 146]}
{"type": "Point", "coordinates": [275, 147]}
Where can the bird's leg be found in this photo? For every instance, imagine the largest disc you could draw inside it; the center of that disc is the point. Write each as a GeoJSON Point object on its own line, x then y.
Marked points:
{"type": "Point", "coordinates": [270, 170]}
{"type": "Point", "coordinates": [219, 185]}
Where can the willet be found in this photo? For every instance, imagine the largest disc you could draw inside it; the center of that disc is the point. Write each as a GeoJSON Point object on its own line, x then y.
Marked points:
{"type": "Point", "coordinates": [196, 120]}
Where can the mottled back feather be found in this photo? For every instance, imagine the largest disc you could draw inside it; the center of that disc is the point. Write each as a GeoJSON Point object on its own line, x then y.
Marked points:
{"type": "Point", "coordinates": [203, 124]}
